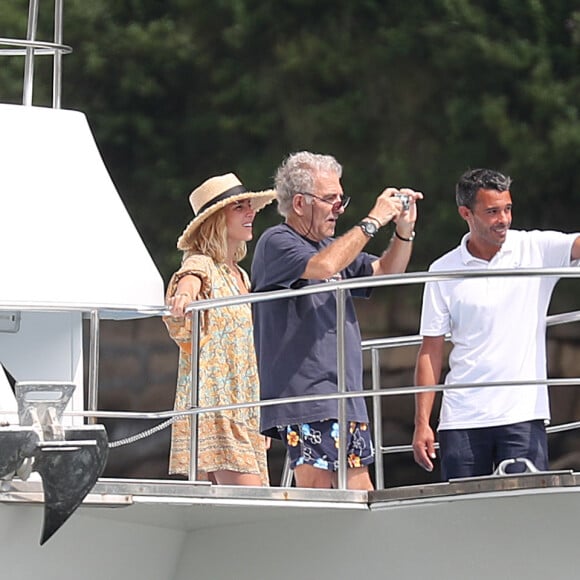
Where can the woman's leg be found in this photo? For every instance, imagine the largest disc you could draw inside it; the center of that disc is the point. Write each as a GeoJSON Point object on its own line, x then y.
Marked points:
{"type": "Point", "coordinates": [226, 477]}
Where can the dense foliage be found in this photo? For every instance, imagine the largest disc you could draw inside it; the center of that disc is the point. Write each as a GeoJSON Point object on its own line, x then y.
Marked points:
{"type": "Point", "coordinates": [402, 93]}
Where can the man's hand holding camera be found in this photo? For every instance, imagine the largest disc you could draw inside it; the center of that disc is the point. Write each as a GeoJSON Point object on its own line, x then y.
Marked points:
{"type": "Point", "coordinates": [398, 205]}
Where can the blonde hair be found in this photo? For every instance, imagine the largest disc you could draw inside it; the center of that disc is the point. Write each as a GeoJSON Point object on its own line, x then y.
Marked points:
{"type": "Point", "coordinates": [211, 239]}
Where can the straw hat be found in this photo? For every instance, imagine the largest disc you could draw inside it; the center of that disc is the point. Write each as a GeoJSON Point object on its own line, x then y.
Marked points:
{"type": "Point", "coordinates": [215, 193]}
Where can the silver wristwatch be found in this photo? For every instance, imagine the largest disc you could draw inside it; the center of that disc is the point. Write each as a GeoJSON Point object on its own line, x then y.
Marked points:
{"type": "Point", "coordinates": [369, 228]}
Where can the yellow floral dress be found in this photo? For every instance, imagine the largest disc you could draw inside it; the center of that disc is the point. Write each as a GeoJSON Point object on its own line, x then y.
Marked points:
{"type": "Point", "coordinates": [227, 440]}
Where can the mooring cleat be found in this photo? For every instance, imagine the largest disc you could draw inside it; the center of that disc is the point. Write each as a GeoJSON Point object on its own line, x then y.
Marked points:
{"type": "Point", "coordinates": [42, 406]}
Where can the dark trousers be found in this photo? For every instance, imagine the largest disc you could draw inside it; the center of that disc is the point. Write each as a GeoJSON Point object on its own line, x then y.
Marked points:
{"type": "Point", "coordinates": [475, 452]}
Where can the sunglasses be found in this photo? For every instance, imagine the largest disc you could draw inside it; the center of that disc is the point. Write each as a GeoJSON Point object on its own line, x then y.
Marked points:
{"type": "Point", "coordinates": [342, 203]}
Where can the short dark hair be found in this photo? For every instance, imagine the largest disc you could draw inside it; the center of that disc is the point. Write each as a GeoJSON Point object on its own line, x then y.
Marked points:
{"type": "Point", "coordinates": [474, 180]}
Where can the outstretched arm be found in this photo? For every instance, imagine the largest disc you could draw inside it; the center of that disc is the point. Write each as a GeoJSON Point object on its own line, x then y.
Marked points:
{"type": "Point", "coordinates": [427, 372]}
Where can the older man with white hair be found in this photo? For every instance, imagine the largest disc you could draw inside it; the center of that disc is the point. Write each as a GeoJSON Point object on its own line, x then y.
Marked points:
{"type": "Point", "coordinates": [296, 338]}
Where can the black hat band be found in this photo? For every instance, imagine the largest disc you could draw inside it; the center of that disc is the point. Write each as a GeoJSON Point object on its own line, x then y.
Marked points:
{"type": "Point", "coordinates": [225, 195]}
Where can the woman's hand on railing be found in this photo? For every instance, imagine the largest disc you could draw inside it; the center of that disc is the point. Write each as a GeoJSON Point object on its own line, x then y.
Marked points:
{"type": "Point", "coordinates": [177, 304]}
{"type": "Point", "coordinates": [186, 292]}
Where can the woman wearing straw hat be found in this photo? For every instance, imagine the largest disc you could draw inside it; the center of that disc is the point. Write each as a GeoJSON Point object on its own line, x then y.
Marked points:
{"type": "Point", "coordinates": [231, 450]}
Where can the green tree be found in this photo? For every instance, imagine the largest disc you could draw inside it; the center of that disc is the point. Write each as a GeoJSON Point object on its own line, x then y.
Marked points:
{"type": "Point", "coordinates": [401, 93]}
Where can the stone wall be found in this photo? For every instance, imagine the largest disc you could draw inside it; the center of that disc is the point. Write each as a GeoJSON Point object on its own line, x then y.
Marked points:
{"type": "Point", "coordinates": [138, 363]}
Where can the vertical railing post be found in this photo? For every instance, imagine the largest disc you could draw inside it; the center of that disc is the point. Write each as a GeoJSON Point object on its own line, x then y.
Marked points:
{"type": "Point", "coordinates": [377, 419]}
{"type": "Point", "coordinates": [287, 473]}
{"type": "Point", "coordinates": [57, 61]}
{"type": "Point", "coordinates": [341, 384]}
{"type": "Point", "coordinates": [29, 59]}
{"type": "Point", "coordinates": [194, 393]}
{"type": "Point", "coordinates": [93, 378]}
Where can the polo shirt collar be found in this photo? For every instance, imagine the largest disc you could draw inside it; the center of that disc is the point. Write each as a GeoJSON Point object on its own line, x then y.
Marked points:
{"type": "Point", "coordinates": [506, 249]}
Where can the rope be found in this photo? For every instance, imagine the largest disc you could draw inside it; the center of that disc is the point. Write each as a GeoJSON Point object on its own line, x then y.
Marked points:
{"type": "Point", "coordinates": [144, 434]}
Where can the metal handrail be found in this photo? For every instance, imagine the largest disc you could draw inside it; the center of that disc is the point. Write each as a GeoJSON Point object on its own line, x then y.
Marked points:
{"type": "Point", "coordinates": [42, 47]}
{"type": "Point", "coordinates": [390, 391]}
{"type": "Point", "coordinates": [340, 287]}
{"type": "Point", "coordinates": [402, 279]}
{"type": "Point", "coordinates": [415, 339]}
{"type": "Point", "coordinates": [375, 345]}
{"type": "Point", "coordinates": [115, 311]}
{"type": "Point", "coordinates": [132, 310]}
{"type": "Point", "coordinates": [31, 47]}
{"type": "Point", "coordinates": [96, 312]}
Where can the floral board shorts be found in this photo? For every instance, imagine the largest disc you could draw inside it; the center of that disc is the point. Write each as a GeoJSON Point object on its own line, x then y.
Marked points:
{"type": "Point", "coordinates": [316, 444]}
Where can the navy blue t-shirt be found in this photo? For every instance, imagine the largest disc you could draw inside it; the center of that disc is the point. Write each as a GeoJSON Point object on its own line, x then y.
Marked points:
{"type": "Point", "coordinates": [295, 338]}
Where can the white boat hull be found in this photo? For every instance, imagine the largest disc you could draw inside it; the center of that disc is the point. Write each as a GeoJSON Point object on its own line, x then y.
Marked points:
{"type": "Point", "coordinates": [178, 531]}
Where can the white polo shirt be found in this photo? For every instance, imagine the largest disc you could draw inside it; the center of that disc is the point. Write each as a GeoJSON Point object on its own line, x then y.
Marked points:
{"type": "Point", "coordinates": [498, 329]}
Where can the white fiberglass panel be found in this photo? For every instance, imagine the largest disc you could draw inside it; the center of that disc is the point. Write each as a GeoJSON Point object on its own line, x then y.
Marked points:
{"type": "Point", "coordinates": [66, 236]}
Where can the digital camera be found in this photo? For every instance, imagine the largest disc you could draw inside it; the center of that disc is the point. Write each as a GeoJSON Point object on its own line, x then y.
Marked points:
{"type": "Point", "coordinates": [405, 199]}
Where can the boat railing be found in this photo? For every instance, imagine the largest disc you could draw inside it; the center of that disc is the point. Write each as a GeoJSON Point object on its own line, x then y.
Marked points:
{"type": "Point", "coordinates": [95, 313]}
{"type": "Point", "coordinates": [376, 345]}
{"type": "Point", "coordinates": [341, 288]}
{"type": "Point", "coordinates": [30, 47]}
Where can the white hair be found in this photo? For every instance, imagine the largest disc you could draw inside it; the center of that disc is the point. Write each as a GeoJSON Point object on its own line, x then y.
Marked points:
{"type": "Point", "coordinates": [297, 174]}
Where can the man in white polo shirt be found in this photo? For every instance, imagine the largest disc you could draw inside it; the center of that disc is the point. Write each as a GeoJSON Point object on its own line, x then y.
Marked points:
{"type": "Point", "coordinates": [497, 327]}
